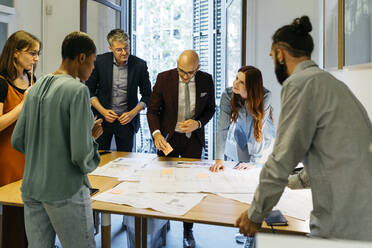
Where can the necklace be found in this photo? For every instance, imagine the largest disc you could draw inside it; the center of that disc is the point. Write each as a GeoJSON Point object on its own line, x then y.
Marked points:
{"type": "Point", "coordinates": [21, 82]}
{"type": "Point", "coordinates": [59, 72]}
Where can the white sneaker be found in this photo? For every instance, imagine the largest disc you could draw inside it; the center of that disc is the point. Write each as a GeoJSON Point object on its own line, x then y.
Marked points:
{"type": "Point", "coordinates": [240, 238]}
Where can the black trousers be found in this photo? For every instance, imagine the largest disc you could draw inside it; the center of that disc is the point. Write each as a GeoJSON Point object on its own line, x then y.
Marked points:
{"type": "Point", "coordinates": [14, 233]}
{"type": "Point", "coordinates": [185, 148]}
{"type": "Point", "coordinates": [123, 135]}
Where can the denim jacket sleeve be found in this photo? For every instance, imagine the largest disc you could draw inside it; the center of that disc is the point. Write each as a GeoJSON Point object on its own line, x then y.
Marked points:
{"type": "Point", "coordinates": [267, 105]}
{"type": "Point", "coordinates": [223, 123]}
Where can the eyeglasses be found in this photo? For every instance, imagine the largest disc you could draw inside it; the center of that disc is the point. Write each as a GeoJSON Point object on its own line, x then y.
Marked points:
{"type": "Point", "coordinates": [187, 73]}
{"type": "Point", "coordinates": [121, 49]}
{"type": "Point", "coordinates": [34, 53]}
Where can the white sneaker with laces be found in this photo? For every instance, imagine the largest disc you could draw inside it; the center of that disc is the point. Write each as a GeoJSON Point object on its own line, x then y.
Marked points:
{"type": "Point", "coordinates": [240, 238]}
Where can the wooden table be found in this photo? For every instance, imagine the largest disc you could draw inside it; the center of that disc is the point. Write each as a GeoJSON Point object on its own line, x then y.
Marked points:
{"type": "Point", "coordinates": [212, 209]}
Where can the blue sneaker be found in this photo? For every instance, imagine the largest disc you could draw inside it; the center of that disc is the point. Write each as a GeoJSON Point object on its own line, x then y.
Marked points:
{"type": "Point", "coordinates": [240, 238]}
{"type": "Point", "coordinates": [250, 242]}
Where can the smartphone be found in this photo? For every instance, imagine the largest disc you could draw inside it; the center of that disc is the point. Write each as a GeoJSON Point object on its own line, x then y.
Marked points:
{"type": "Point", "coordinates": [93, 191]}
{"type": "Point", "coordinates": [104, 152]}
{"type": "Point", "coordinates": [276, 218]}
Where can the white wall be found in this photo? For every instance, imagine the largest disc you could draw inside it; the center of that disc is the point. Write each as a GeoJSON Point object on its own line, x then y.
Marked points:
{"type": "Point", "coordinates": [267, 16]}
{"type": "Point", "coordinates": [359, 81]}
{"type": "Point", "coordinates": [28, 16]}
{"type": "Point", "coordinates": [270, 15]}
{"type": "Point", "coordinates": [64, 19]}
{"type": "Point", "coordinates": [51, 29]}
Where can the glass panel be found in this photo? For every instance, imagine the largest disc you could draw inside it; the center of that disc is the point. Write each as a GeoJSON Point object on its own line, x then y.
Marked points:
{"type": "Point", "coordinates": [9, 3]}
{"type": "Point", "coordinates": [234, 40]}
{"type": "Point", "coordinates": [233, 61]}
{"type": "Point", "coordinates": [117, 2]}
{"type": "Point", "coordinates": [358, 32]}
{"type": "Point", "coordinates": [3, 37]}
{"type": "Point", "coordinates": [331, 34]}
{"type": "Point", "coordinates": [163, 29]}
{"type": "Point", "coordinates": [100, 21]}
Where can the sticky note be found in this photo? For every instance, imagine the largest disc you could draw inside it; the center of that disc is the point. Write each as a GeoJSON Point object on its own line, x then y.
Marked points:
{"type": "Point", "coordinates": [202, 175]}
{"type": "Point", "coordinates": [116, 191]}
{"type": "Point", "coordinates": [167, 171]}
{"type": "Point", "coordinates": [168, 149]}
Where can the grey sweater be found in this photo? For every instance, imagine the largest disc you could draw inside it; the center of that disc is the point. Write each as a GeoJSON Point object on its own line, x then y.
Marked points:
{"type": "Point", "coordinates": [54, 131]}
{"type": "Point", "coordinates": [324, 125]}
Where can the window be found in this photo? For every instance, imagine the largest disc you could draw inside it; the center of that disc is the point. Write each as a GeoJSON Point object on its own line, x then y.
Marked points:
{"type": "Point", "coordinates": [102, 13]}
{"type": "Point", "coordinates": [347, 33]}
{"type": "Point", "coordinates": [234, 14]}
{"type": "Point", "coordinates": [160, 31]}
{"type": "Point", "coordinates": [358, 32]}
{"type": "Point", "coordinates": [331, 33]}
{"type": "Point", "coordinates": [8, 3]}
{"type": "Point", "coordinates": [234, 59]}
{"type": "Point", "coordinates": [6, 13]}
{"type": "Point", "coordinates": [101, 20]}
{"type": "Point", "coordinates": [3, 30]}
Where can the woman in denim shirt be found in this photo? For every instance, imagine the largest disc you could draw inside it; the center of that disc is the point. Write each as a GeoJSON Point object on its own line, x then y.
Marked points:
{"type": "Point", "coordinates": [248, 105]}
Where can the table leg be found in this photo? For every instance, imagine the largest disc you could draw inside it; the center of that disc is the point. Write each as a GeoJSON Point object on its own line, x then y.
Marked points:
{"type": "Point", "coordinates": [137, 231]}
{"type": "Point", "coordinates": [106, 230]}
{"type": "Point", "coordinates": [144, 232]}
{"type": "Point", "coordinates": [13, 231]}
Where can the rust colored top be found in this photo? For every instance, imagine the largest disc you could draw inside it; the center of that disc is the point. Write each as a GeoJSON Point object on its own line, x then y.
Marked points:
{"type": "Point", "coordinates": [12, 162]}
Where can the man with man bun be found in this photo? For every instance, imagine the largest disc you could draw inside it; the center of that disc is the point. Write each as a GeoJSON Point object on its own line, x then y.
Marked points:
{"type": "Point", "coordinates": [324, 125]}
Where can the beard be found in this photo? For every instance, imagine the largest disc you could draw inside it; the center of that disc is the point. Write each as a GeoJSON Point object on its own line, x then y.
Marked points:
{"type": "Point", "coordinates": [281, 71]}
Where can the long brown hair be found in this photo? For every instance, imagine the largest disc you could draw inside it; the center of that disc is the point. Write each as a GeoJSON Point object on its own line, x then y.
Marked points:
{"type": "Point", "coordinates": [254, 102]}
{"type": "Point", "coordinates": [21, 41]}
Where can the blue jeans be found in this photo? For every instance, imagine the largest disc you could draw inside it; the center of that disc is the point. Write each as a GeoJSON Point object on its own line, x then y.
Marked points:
{"type": "Point", "coordinates": [71, 219]}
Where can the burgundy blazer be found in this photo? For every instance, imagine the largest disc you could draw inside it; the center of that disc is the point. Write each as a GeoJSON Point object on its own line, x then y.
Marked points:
{"type": "Point", "coordinates": [162, 110]}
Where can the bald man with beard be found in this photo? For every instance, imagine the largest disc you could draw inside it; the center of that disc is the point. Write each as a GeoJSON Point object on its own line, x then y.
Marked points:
{"type": "Point", "coordinates": [181, 104]}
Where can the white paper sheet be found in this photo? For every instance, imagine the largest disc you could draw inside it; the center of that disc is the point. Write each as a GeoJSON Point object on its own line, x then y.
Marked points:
{"type": "Point", "coordinates": [125, 169]}
{"type": "Point", "coordinates": [295, 203]}
{"type": "Point", "coordinates": [189, 164]}
{"type": "Point", "coordinates": [189, 180]}
{"type": "Point", "coordinates": [170, 203]}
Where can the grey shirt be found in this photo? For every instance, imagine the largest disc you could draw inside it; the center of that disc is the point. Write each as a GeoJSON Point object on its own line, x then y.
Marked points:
{"type": "Point", "coordinates": [181, 101]}
{"type": "Point", "coordinates": [324, 125]}
{"type": "Point", "coordinates": [119, 102]}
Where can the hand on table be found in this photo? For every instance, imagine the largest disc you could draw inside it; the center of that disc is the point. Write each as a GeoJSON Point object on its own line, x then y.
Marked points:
{"type": "Point", "coordinates": [218, 166]}
{"type": "Point", "coordinates": [246, 226]}
{"type": "Point", "coordinates": [245, 166]}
